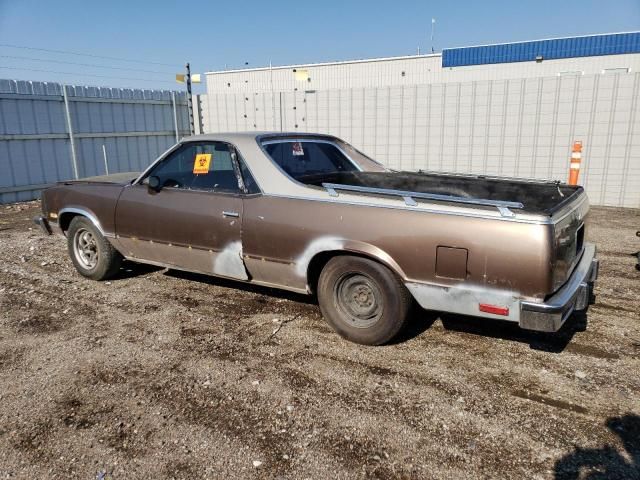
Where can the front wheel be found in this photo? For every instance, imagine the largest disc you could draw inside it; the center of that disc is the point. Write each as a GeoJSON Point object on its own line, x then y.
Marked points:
{"type": "Point", "coordinates": [362, 300]}
{"type": "Point", "coordinates": [92, 255]}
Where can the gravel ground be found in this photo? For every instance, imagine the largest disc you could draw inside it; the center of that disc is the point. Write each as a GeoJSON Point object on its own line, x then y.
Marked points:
{"type": "Point", "coordinates": [160, 374]}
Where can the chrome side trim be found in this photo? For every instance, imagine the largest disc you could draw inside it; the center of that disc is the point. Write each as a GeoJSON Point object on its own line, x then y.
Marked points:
{"type": "Point", "coordinates": [332, 188]}
{"type": "Point", "coordinates": [86, 213]}
{"type": "Point", "coordinates": [302, 291]}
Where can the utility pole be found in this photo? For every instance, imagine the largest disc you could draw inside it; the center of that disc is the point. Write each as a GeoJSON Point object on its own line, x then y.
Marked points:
{"type": "Point", "coordinates": [188, 79]}
{"type": "Point", "coordinates": [273, 101]}
{"type": "Point", "coordinates": [433, 26]}
{"type": "Point", "coordinates": [190, 100]}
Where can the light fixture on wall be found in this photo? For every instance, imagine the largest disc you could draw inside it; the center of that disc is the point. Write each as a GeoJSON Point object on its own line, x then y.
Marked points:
{"type": "Point", "coordinates": [616, 70]}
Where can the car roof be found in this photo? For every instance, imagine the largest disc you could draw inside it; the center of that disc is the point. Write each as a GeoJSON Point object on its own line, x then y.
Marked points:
{"type": "Point", "coordinates": [233, 137]}
{"type": "Point", "coordinates": [270, 178]}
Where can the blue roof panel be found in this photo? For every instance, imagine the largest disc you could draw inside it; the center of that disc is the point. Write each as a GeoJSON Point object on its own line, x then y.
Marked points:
{"type": "Point", "coordinates": [610, 44]}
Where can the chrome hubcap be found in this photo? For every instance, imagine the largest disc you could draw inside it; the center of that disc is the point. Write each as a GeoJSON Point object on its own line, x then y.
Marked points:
{"type": "Point", "coordinates": [359, 299]}
{"type": "Point", "coordinates": [85, 248]}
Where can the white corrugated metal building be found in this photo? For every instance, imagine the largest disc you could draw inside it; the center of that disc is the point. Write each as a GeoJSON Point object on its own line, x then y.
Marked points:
{"type": "Point", "coordinates": [396, 71]}
{"type": "Point", "coordinates": [508, 109]}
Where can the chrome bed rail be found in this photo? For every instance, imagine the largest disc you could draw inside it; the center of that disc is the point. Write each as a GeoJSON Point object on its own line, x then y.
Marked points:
{"type": "Point", "coordinates": [408, 197]}
{"type": "Point", "coordinates": [480, 176]}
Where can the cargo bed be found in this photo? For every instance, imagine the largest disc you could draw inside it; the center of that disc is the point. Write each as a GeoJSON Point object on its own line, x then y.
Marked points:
{"type": "Point", "coordinates": [529, 196]}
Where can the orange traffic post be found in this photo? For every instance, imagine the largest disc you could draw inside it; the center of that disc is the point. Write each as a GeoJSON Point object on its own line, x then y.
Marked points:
{"type": "Point", "coordinates": [576, 159]}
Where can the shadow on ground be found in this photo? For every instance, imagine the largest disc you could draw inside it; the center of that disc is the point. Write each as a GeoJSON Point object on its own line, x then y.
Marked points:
{"type": "Point", "coordinates": [606, 462]}
{"type": "Point", "coordinates": [239, 285]}
{"type": "Point", "coordinates": [554, 342]}
{"type": "Point", "coordinates": [133, 269]}
{"type": "Point", "coordinates": [420, 320]}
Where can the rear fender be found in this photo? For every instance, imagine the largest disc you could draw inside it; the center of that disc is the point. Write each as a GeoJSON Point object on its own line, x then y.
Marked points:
{"type": "Point", "coordinates": [340, 246]}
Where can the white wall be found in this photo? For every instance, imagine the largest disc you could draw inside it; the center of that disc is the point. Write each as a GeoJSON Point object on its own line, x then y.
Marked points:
{"type": "Point", "coordinates": [493, 119]}
{"type": "Point", "coordinates": [388, 72]}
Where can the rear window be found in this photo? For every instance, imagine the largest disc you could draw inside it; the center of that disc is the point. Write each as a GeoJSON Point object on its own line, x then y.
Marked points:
{"type": "Point", "coordinates": [302, 159]}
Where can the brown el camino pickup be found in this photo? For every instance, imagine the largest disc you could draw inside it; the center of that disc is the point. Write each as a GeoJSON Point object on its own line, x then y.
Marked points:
{"type": "Point", "coordinates": [311, 214]}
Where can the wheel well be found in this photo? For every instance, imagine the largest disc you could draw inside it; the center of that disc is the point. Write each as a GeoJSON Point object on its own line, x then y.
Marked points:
{"type": "Point", "coordinates": [318, 262]}
{"type": "Point", "coordinates": [65, 220]}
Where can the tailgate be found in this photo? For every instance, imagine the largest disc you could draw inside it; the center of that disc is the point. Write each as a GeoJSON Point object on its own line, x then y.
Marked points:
{"type": "Point", "coordinates": [569, 232]}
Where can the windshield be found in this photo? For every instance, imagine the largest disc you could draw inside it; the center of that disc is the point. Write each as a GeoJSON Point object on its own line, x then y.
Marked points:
{"type": "Point", "coordinates": [300, 159]}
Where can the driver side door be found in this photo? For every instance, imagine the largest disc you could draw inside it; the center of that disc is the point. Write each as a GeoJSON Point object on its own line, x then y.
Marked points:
{"type": "Point", "coordinates": [192, 220]}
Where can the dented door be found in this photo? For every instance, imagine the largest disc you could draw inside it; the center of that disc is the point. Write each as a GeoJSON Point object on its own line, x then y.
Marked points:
{"type": "Point", "coordinates": [194, 230]}
{"type": "Point", "coordinates": [191, 217]}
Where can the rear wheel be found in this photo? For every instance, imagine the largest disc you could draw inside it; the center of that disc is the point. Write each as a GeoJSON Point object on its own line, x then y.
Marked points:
{"type": "Point", "coordinates": [92, 255]}
{"type": "Point", "coordinates": [362, 300]}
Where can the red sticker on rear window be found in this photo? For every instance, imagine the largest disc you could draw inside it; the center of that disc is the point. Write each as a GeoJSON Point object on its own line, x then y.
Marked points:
{"type": "Point", "coordinates": [297, 149]}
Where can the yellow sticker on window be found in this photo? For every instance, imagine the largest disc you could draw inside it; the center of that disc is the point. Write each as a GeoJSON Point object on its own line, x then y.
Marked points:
{"type": "Point", "coordinates": [201, 163]}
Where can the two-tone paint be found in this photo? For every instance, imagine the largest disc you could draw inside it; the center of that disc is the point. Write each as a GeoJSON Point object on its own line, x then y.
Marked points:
{"type": "Point", "coordinates": [451, 257]}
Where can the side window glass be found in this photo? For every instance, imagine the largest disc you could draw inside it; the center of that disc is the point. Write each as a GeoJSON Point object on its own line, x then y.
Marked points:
{"type": "Point", "coordinates": [199, 166]}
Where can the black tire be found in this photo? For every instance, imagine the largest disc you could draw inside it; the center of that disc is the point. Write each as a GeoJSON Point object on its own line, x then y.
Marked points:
{"type": "Point", "coordinates": [83, 240]}
{"type": "Point", "coordinates": [363, 300]}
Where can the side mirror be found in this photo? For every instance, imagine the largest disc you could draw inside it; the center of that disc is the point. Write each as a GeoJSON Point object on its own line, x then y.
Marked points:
{"type": "Point", "coordinates": [154, 183]}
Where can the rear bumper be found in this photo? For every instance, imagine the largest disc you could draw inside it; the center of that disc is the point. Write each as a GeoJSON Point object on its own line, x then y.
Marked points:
{"type": "Point", "coordinates": [575, 295]}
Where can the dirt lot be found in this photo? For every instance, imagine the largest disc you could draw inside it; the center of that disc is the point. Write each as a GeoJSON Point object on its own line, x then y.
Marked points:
{"type": "Point", "coordinates": [160, 374]}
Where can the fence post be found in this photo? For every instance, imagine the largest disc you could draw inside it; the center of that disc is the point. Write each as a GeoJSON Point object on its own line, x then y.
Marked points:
{"type": "Point", "coordinates": [190, 100]}
{"type": "Point", "coordinates": [175, 116]}
{"type": "Point", "coordinates": [281, 111]}
{"type": "Point", "coordinates": [198, 111]}
{"type": "Point", "coordinates": [74, 160]}
{"type": "Point", "coordinates": [106, 163]}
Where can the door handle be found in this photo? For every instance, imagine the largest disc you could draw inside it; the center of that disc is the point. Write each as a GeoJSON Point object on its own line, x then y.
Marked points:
{"type": "Point", "coordinates": [230, 214]}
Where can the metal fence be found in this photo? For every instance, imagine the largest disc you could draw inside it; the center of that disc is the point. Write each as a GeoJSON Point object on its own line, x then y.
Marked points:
{"type": "Point", "coordinates": [514, 127]}
{"type": "Point", "coordinates": [51, 132]}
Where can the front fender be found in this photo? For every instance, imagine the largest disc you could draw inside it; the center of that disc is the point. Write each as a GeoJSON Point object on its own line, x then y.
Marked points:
{"type": "Point", "coordinates": [71, 211]}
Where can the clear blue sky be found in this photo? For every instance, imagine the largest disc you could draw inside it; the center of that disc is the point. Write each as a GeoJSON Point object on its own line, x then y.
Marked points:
{"type": "Point", "coordinates": [212, 35]}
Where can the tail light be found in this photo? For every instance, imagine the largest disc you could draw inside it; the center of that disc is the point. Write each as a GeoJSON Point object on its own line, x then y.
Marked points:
{"type": "Point", "coordinates": [495, 309]}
